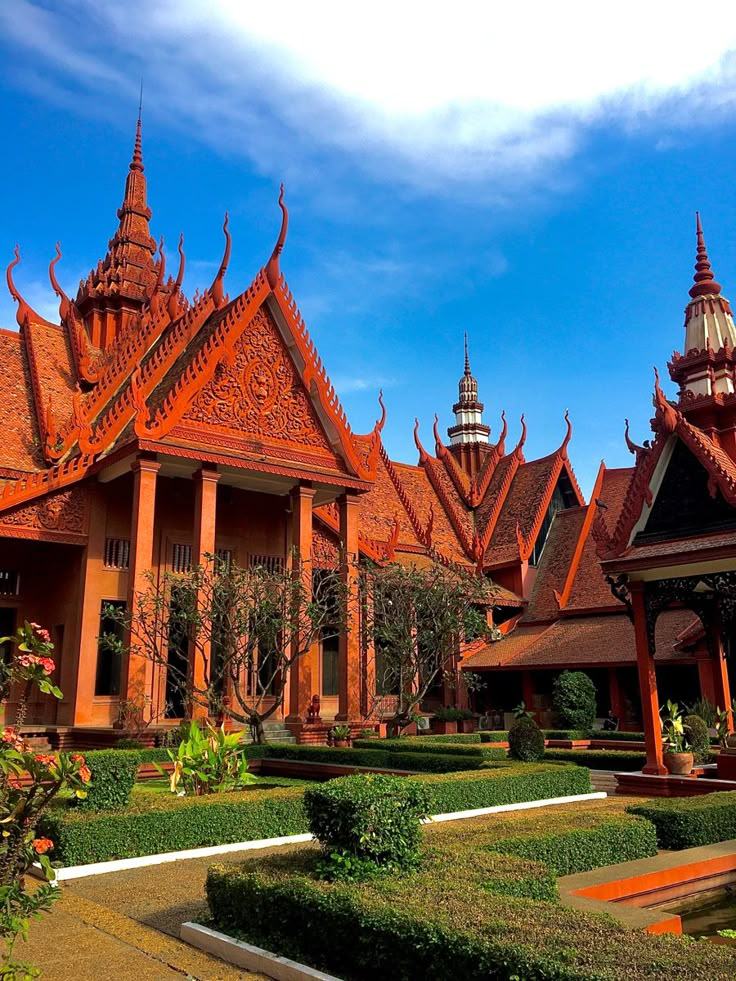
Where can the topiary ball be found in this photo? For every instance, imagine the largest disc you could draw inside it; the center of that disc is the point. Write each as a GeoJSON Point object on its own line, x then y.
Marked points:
{"type": "Point", "coordinates": [698, 737]}
{"type": "Point", "coordinates": [526, 741]}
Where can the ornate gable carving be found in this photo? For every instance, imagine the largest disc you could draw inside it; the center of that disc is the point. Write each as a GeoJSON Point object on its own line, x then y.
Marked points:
{"type": "Point", "coordinates": [258, 392]}
{"type": "Point", "coordinates": [62, 514]}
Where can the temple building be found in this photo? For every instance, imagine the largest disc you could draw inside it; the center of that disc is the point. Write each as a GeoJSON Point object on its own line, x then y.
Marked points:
{"type": "Point", "coordinates": [147, 429]}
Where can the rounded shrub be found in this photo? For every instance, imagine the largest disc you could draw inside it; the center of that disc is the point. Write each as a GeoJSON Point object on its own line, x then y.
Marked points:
{"type": "Point", "coordinates": [370, 817]}
{"type": "Point", "coordinates": [526, 741]}
{"type": "Point", "coordinates": [698, 737]}
{"type": "Point", "coordinates": [573, 696]}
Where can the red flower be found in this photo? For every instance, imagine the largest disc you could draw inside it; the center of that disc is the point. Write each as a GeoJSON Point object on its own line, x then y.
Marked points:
{"type": "Point", "coordinates": [77, 758]}
{"type": "Point", "coordinates": [9, 734]}
{"type": "Point", "coordinates": [42, 845]}
{"type": "Point", "coordinates": [84, 774]}
{"type": "Point", "coordinates": [41, 634]}
{"type": "Point", "coordinates": [45, 759]}
{"type": "Point", "coordinates": [47, 664]}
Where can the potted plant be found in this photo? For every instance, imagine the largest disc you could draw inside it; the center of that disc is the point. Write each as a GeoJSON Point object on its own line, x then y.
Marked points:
{"type": "Point", "coordinates": [466, 722]}
{"type": "Point", "coordinates": [678, 757]}
{"type": "Point", "coordinates": [341, 736]}
{"type": "Point", "coordinates": [445, 720]}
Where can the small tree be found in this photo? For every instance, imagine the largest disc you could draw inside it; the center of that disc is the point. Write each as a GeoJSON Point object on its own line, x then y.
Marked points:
{"type": "Point", "coordinates": [574, 697]}
{"type": "Point", "coordinates": [227, 637]}
{"type": "Point", "coordinates": [413, 621]}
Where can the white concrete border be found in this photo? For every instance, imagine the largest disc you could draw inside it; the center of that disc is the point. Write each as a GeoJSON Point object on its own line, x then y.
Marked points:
{"type": "Point", "coordinates": [123, 864]}
{"type": "Point", "coordinates": [248, 957]}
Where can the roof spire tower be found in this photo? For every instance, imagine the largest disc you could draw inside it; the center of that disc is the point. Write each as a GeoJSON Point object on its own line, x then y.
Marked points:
{"type": "Point", "coordinates": [468, 410]}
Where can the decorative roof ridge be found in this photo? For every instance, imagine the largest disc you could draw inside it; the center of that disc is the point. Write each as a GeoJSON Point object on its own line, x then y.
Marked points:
{"type": "Point", "coordinates": [373, 439]}
{"type": "Point", "coordinates": [479, 483]}
{"type": "Point", "coordinates": [428, 465]}
{"type": "Point", "coordinates": [721, 467]}
{"type": "Point", "coordinates": [516, 459]}
{"type": "Point", "coordinates": [25, 312]}
{"type": "Point", "coordinates": [38, 401]}
{"type": "Point", "coordinates": [560, 461]}
{"type": "Point", "coordinates": [84, 363]}
{"type": "Point", "coordinates": [369, 546]}
{"type": "Point", "coordinates": [202, 367]}
{"type": "Point", "coordinates": [457, 476]}
{"type": "Point", "coordinates": [131, 399]}
{"type": "Point", "coordinates": [273, 270]}
{"type": "Point", "coordinates": [128, 358]}
{"type": "Point", "coordinates": [590, 513]}
{"type": "Point", "coordinates": [44, 482]}
{"type": "Point", "coordinates": [637, 494]}
{"type": "Point", "coordinates": [219, 298]}
{"type": "Point", "coordinates": [422, 533]}
{"type": "Point", "coordinates": [315, 371]}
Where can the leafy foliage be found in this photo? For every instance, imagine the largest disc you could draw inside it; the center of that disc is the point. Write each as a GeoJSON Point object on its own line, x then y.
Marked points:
{"type": "Point", "coordinates": [599, 759]}
{"type": "Point", "coordinates": [449, 713]}
{"type": "Point", "coordinates": [526, 740]}
{"type": "Point", "coordinates": [705, 709]}
{"type": "Point", "coordinates": [422, 745]}
{"type": "Point", "coordinates": [674, 735]}
{"type": "Point", "coordinates": [209, 761]}
{"type": "Point", "coordinates": [29, 782]}
{"type": "Point", "coordinates": [574, 697]}
{"type": "Point", "coordinates": [697, 733]}
{"type": "Point", "coordinates": [370, 817]}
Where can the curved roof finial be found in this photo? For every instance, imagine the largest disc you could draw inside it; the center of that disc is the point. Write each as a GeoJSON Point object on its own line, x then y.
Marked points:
{"type": "Point", "coordinates": [568, 434]}
{"type": "Point", "coordinates": [422, 452]}
{"type": "Point", "coordinates": [380, 423]}
{"type": "Point", "coordinates": [23, 313]}
{"type": "Point", "coordinates": [501, 442]}
{"type": "Point", "coordinates": [155, 299]}
{"type": "Point", "coordinates": [467, 358]}
{"type": "Point", "coordinates": [273, 271]}
{"type": "Point", "coordinates": [173, 303]}
{"type": "Point", "coordinates": [216, 288]}
{"type": "Point", "coordinates": [665, 414]}
{"type": "Point", "coordinates": [704, 279]}
{"type": "Point", "coordinates": [522, 438]}
{"type": "Point", "coordinates": [65, 304]}
{"type": "Point", "coordinates": [437, 438]}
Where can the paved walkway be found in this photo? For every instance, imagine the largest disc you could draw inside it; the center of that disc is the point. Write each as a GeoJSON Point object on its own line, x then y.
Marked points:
{"type": "Point", "coordinates": [125, 925]}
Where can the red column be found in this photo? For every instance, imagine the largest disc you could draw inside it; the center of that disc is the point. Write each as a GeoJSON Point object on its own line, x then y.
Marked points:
{"type": "Point", "coordinates": [348, 665]}
{"type": "Point", "coordinates": [648, 685]}
{"type": "Point", "coordinates": [203, 545]}
{"type": "Point", "coordinates": [368, 699]}
{"type": "Point", "coordinates": [138, 670]}
{"type": "Point", "coordinates": [706, 677]}
{"type": "Point", "coordinates": [527, 690]}
{"type": "Point", "coordinates": [721, 685]}
{"type": "Point", "coordinates": [616, 701]}
{"type": "Point", "coordinates": [300, 675]}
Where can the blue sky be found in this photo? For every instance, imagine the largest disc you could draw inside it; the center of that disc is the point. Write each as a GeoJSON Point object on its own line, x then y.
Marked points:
{"type": "Point", "coordinates": [528, 175]}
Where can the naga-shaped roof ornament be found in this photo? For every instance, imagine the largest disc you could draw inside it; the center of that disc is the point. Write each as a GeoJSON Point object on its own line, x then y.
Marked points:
{"type": "Point", "coordinates": [273, 271]}
{"type": "Point", "coordinates": [705, 283]}
{"type": "Point", "coordinates": [155, 300]}
{"type": "Point", "coordinates": [24, 312]}
{"type": "Point", "coordinates": [423, 455]}
{"type": "Point", "coordinates": [393, 540]}
{"type": "Point", "coordinates": [439, 445]}
{"type": "Point", "coordinates": [666, 417]}
{"type": "Point", "coordinates": [173, 304]}
{"type": "Point", "coordinates": [216, 290]}
{"type": "Point", "coordinates": [633, 447]}
{"type": "Point", "coordinates": [67, 310]}
{"type": "Point", "coordinates": [568, 436]}
{"type": "Point", "coordinates": [522, 439]}
{"type": "Point", "coordinates": [501, 443]}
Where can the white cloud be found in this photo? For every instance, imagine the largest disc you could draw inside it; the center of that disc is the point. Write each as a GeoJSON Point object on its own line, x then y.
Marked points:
{"type": "Point", "coordinates": [436, 95]}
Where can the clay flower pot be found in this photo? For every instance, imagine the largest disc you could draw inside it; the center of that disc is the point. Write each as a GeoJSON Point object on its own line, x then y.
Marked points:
{"type": "Point", "coordinates": [679, 764]}
{"type": "Point", "coordinates": [340, 743]}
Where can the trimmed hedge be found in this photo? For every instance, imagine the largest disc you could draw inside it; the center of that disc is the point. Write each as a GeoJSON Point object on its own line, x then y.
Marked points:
{"type": "Point", "coordinates": [581, 849]}
{"type": "Point", "coordinates": [113, 776]}
{"type": "Point", "coordinates": [686, 822]}
{"type": "Point", "coordinates": [599, 759]}
{"type": "Point", "coordinates": [385, 759]}
{"type": "Point", "coordinates": [571, 734]}
{"type": "Point", "coordinates": [615, 734]}
{"type": "Point", "coordinates": [453, 737]}
{"type": "Point", "coordinates": [418, 745]}
{"type": "Point", "coordinates": [466, 913]}
{"type": "Point", "coordinates": [526, 741]}
{"type": "Point", "coordinates": [156, 823]}
{"type": "Point", "coordinates": [496, 736]}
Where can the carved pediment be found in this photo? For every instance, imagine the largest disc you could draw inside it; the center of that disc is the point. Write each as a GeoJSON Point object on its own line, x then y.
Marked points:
{"type": "Point", "coordinates": [257, 392]}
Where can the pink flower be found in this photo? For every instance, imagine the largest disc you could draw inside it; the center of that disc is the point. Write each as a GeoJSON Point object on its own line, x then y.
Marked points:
{"type": "Point", "coordinates": [47, 664]}
{"type": "Point", "coordinates": [41, 634]}
{"type": "Point", "coordinates": [9, 734]}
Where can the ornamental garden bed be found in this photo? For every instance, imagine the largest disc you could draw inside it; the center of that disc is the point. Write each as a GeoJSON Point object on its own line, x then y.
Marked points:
{"type": "Point", "coordinates": [146, 823]}
{"type": "Point", "coordinates": [483, 904]}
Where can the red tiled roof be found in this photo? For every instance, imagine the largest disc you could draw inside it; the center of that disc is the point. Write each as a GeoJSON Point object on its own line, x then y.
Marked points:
{"type": "Point", "coordinates": [554, 564]}
{"type": "Point", "coordinates": [603, 639]}
{"type": "Point", "coordinates": [422, 495]}
{"type": "Point", "coordinates": [56, 375]}
{"type": "Point", "coordinates": [20, 439]}
{"type": "Point", "coordinates": [613, 493]}
{"type": "Point", "coordinates": [378, 508]}
{"type": "Point", "coordinates": [521, 506]}
{"type": "Point", "coordinates": [655, 550]}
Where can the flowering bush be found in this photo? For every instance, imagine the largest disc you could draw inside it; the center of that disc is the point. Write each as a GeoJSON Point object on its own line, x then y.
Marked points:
{"type": "Point", "coordinates": [209, 762]}
{"type": "Point", "coordinates": [29, 781]}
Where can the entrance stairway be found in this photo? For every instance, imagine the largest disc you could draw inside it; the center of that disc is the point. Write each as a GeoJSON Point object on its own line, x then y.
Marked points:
{"type": "Point", "coordinates": [603, 780]}
{"type": "Point", "coordinates": [276, 732]}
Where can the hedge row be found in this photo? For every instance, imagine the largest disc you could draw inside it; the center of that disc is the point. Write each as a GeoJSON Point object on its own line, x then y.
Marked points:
{"type": "Point", "coordinates": [467, 913]}
{"type": "Point", "coordinates": [419, 745]}
{"type": "Point", "coordinates": [378, 758]}
{"type": "Point", "coordinates": [599, 759]}
{"type": "Point", "coordinates": [686, 822]}
{"type": "Point", "coordinates": [156, 823]}
{"type": "Point", "coordinates": [575, 849]}
{"type": "Point", "coordinates": [113, 775]}
{"type": "Point", "coordinates": [617, 735]}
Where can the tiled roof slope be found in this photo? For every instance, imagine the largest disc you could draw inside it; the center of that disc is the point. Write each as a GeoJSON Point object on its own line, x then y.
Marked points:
{"type": "Point", "coordinates": [54, 367]}
{"type": "Point", "coordinates": [554, 565]}
{"type": "Point", "coordinates": [21, 448]}
{"type": "Point", "coordinates": [520, 507]}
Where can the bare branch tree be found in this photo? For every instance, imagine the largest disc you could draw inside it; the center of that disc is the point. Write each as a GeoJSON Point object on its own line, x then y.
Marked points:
{"type": "Point", "coordinates": [414, 620]}
{"type": "Point", "coordinates": [227, 637]}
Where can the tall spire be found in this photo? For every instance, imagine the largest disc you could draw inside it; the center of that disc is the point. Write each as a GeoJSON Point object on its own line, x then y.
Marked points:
{"type": "Point", "coordinates": [468, 410]}
{"type": "Point", "coordinates": [705, 284]}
